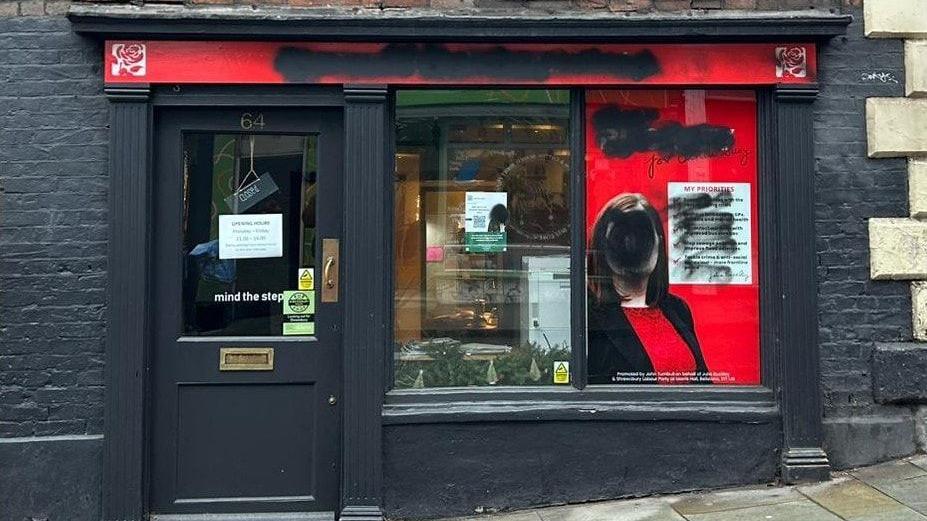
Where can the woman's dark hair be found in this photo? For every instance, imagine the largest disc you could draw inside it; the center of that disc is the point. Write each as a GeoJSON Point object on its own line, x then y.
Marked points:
{"type": "Point", "coordinates": [498, 216]}
{"type": "Point", "coordinates": [625, 234]}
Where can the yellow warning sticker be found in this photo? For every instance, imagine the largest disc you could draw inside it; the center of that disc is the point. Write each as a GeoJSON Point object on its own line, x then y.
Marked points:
{"type": "Point", "coordinates": [306, 279]}
{"type": "Point", "coordinates": [561, 372]}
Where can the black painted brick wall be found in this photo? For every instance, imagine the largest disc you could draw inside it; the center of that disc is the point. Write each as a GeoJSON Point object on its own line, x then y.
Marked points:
{"type": "Point", "coordinates": [854, 311]}
{"type": "Point", "coordinates": [53, 186]}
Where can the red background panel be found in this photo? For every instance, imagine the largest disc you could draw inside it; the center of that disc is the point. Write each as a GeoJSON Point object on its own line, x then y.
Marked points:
{"type": "Point", "coordinates": [726, 317]}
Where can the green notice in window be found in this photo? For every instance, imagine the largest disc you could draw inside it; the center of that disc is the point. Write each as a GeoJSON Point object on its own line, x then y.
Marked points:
{"type": "Point", "coordinates": [486, 215]}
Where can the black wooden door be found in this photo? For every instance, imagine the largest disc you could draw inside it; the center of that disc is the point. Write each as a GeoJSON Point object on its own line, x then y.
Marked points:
{"type": "Point", "coordinates": [245, 358]}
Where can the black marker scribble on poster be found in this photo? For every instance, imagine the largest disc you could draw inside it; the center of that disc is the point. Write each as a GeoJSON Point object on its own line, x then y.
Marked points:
{"type": "Point", "coordinates": [437, 62]}
{"type": "Point", "coordinates": [710, 233]}
{"type": "Point", "coordinates": [622, 132]}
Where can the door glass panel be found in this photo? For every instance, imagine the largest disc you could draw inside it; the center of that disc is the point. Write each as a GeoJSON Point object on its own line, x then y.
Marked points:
{"type": "Point", "coordinates": [248, 233]}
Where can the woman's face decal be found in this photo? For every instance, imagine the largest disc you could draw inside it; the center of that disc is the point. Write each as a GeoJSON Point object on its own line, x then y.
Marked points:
{"type": "Point", "coordinates": [632, 244]}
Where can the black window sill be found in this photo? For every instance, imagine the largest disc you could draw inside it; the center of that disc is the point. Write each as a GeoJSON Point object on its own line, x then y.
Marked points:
{"type": "Point", "coordinates": [595, 403]}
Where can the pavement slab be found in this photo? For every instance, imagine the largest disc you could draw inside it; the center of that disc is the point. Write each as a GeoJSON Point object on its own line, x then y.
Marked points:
{"type": "Point", "coordinates": [888, 472]}
{"type": "Point", "coordinates": [703, 503]}
{"type": "Point", "coordinates": [912, 492]}
{"type": "Point", "coordinates": [854, 500]}
{"type": "Point", "coordinates": [652, 509]}
{"type": "Point", "coordinates": [920, 461]}
{"type": "Point", "coordinates": [799, 510]}
{"type": "Point", "coordinates": [530, 515]}
{"type": "Point", "coordinates": [893, 491]}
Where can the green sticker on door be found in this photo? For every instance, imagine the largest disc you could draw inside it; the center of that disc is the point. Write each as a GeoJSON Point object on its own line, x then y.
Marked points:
{"type": "Point", "coordinates": [298, 302]}
{"type": "Point", "coordinates": [299, 328]}
{"type": "Point", "coordinates": [299, 312]}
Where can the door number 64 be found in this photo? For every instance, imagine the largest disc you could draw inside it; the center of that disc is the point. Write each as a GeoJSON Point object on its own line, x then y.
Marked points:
{"type": "Point", "coordinates": [249, 121]}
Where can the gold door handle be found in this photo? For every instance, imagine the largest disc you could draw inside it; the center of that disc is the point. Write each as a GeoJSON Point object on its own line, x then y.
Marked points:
{"type": "Point", "coordinates": [327, 272]}
{"type": "Point", "coordinates": [330, 275]}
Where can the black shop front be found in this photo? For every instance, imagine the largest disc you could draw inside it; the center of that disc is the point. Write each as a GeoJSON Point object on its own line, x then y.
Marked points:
{"type": "Point", "coordinates": [414, 267]}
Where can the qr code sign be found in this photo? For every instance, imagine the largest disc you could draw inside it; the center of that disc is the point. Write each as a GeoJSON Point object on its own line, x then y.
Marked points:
{"type": "Point", "coordinates": [479, 222]}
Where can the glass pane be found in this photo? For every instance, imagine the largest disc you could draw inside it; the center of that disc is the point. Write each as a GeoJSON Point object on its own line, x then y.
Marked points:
{"type": "Point", "coordinates": [672, 228]}
{"type": "Point", "coordinates": [482, 237]}
{"type": "Point", "coordinates": [249, 231]}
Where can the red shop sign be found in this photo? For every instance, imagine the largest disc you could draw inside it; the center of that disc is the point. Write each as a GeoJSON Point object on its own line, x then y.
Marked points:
{"type": "Point", "coordinates": [191, 62]}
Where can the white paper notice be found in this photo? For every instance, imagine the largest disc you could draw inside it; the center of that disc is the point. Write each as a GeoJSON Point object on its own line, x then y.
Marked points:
{"type": "Point", "coordinates": [256, 236]}
{"type": "Point", "coordinates": [709, 227]}
{"type": "Point", "coordinates": [485, 217]}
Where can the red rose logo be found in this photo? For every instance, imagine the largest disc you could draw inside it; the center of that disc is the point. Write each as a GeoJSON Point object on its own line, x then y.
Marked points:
{"type": "Point", "coordinates": [132, 53]}
{"type": "Point", "coordinates": [794, 56]}
{"type": "Point", "coordinates": [791, 62]}
{"type": "Point", "coordinates": [128, 58]}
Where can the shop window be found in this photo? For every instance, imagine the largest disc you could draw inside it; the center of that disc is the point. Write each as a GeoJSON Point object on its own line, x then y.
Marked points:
{"type": "Point", "coordinates": [482, 282]}
{"type": "Point", "coordinates": [482, 243]}
{"type": "Point", "coordinates": [248, 230]}
{"type": "Point", "coordinates": [672, 233]}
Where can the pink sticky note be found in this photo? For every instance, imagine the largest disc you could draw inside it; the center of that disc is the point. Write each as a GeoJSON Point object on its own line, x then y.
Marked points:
{"type": "Point", "coordinates": [434, 254]}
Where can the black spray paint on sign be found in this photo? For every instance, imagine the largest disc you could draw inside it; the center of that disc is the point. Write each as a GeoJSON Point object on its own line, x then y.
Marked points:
{"type": "Point", "coordinates": [436, 62]}
{"type": "Point", "coordinates": [703, 231]}
{"type": "Point", "coordinates": [623, 132]}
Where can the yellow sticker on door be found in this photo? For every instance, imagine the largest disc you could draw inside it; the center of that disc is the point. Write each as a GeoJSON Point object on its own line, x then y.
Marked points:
{"type": "Point", "coordinates": [561, 372]}
{"type": "Point", "coordinates": [306, 279]}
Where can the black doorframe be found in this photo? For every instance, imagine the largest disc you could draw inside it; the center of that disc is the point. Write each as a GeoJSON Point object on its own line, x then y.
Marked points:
{"type": "Point", "coordinates": [367, 248]}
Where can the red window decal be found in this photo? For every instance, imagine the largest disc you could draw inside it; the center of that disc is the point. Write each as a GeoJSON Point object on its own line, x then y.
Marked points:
{"type": "Point", "coordinates": [673, 233]}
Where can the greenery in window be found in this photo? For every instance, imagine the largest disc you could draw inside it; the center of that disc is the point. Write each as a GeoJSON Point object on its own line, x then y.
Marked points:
{"type": "Point", "coordinates": [447, 364]}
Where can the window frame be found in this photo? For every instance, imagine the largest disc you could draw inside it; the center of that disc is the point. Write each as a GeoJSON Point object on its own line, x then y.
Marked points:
{"type": "Point", "coordinates": [578, 399]}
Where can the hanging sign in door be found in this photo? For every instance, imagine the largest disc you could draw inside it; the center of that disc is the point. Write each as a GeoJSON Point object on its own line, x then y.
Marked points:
{"type": "Point", "coordinates": [252, 188]}
{"type": "Point", "coordinates": [250, 194]}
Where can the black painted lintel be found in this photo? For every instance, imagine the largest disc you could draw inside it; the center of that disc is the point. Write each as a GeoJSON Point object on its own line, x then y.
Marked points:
{"type": "Point", "coordinates": [365, 93]}
{"type": "Point", "coordinates": [129, 92]}
{"type": "Point", "coordinates": [427, 25]}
